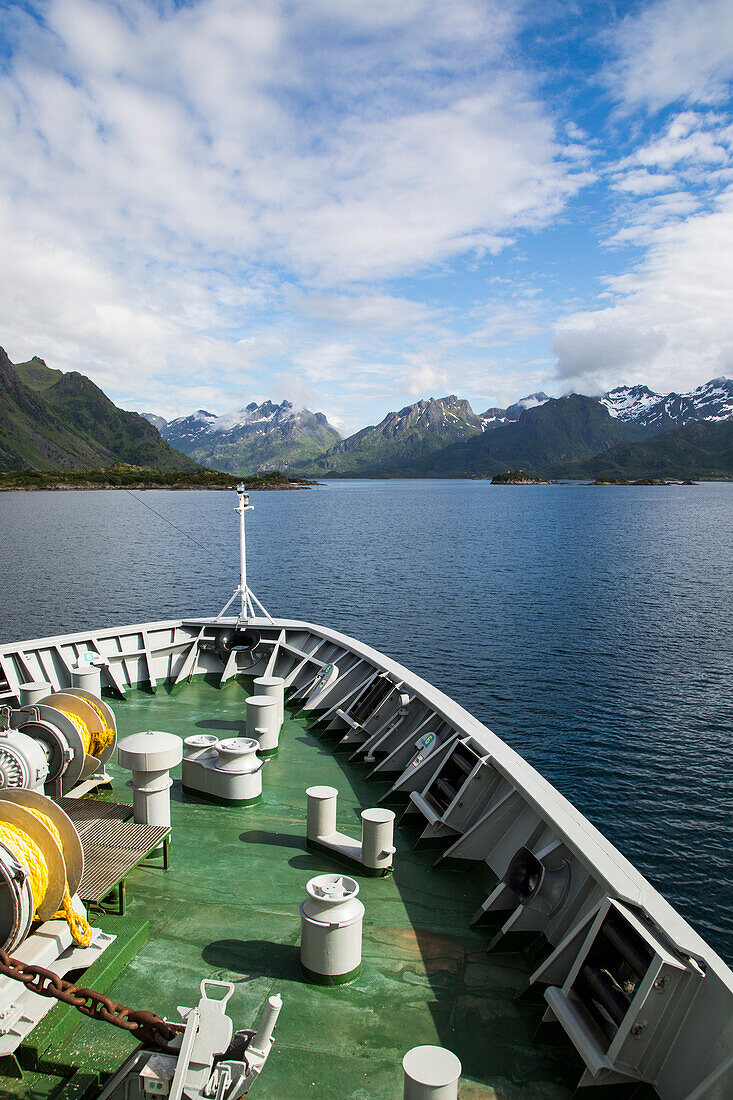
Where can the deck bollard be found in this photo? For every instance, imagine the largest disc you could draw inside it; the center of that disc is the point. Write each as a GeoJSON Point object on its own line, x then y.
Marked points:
{"type": "Point", "coordinates": [274, 686]}
{"type": "Point", "coordinates": [34, 691]}
{"type": "Point", "coordinates": [87, 676]}
{"type": "Point", "coordinates": [262, 723]}
{"type": "Point", "coordinates": [321, 812]}
{"type": "Point", "coordinates": [375, 853]}
{"type": "Point", "coordinates": [377, 838]}
{"type": "Point", "coordinates": [431, 1073]}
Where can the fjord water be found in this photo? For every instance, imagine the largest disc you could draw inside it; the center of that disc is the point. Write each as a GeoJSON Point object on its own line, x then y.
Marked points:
{"type": "Point", "coordinates": [587, 626]}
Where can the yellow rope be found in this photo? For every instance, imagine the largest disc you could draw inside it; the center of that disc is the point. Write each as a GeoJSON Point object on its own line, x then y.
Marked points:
{"type": "Point", "coordinates": [108, 734]}
{"type": "Point", "coordinates": [94, 743]}
{"type": "Point", "coordinates": [27, 851]}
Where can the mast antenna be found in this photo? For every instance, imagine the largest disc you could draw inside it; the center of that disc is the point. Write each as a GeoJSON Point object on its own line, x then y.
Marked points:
{"type": "Point", "coordinates": [242, 592]}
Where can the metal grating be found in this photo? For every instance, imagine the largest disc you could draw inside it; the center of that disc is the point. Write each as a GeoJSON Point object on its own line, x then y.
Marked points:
{"type": "Point", "coordinates": [85, 811]}
{"type": "Point", "coordinates": [112, 844]}
{"type": "Point", "coordinates": [104, 867]}
{"type": "Point", "coordinates": [125, 835]}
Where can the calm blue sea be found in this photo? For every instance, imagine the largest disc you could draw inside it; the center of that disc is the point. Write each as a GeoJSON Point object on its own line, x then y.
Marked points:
{"type": "Point", "coordinates": [589, 627]}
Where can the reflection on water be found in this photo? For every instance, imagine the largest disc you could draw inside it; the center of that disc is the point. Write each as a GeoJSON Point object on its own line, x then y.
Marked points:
{"type": "Point", "coordinates": [587, 626]}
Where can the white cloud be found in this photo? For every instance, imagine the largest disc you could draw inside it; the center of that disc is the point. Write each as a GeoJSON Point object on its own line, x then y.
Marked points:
{"type": "Point", "coordinates": [671, 322]}
{"type": "Point", "coordinates": [673, 50]}
{"type": "Point", "coordinates": [641, 182]}
{"type": "Point", "coordinates": [381, 313]}
{"type": "Point", "coordinates": [172, 172]}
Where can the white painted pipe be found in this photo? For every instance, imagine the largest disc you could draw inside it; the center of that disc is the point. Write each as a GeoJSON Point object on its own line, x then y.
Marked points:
{"type": "Point", "coordinates": [262, 724]}
{"type": "Point", "coordinates": [34, 691]}
{"type": "Point", "coordinates": [274, 686]}
{"type": "Point", "coordinates": [321, 812]}
{"type": "Point", "coordinates": [431, 1073]}
{"type": "Point", "coordinates": [377, 838]}
{"type": "Point", "coordinates": [262, 1041]}
{"type": "Point", "coordinates": [88, 677]}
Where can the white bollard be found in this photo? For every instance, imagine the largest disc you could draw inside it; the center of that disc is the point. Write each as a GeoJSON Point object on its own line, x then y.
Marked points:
{"type": "Point", "coordinates": [377, 838]}
{"type": "Point", "coordinates": [431, 1073]}
{"type": "Point", "coordinates": [34, 691]}
{"type": "Point", "coordinates": [321, 812]}
{"type": "Point", "coordinates": [88, 677]}
{"type": "Point", "coordinates": [262, 724]}
{"type": "Point", "coordinates": [273, 686]}
{"type": "Point", "coordinates": [330, 923]}
{"type": "Point", "coordinates": [150, 756]}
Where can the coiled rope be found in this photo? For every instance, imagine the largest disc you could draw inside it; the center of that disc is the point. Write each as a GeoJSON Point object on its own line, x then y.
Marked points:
{"type": "Point", "coordinates": [30, 855]}
{"type": "Point", "coordinates": [94, 743]}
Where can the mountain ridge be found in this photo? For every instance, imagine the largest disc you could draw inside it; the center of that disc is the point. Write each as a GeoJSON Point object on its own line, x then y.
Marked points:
{"type": "Point", "coordinates": [64, 421]}
{"type": "Point", "coordinates": [413, 431]}
{"type": "Point", "coordinates": [253, 439]}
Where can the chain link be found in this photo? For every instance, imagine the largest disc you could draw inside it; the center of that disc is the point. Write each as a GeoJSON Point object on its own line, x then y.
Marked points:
{"type": "Point", "coordinates": [145, 1026]}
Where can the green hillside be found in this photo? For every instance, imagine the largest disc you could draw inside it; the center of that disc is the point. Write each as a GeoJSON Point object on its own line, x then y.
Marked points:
{"type": "Point", "coordinates": [36, 375]}
{"type": "Point", "coordinates": [700, 450]}
{"type": "Point", "coordinates": [55, 421]}
{"type": "Point", "coordinates": [444, 438]}
{"type": "Point", "coordinates": [410, 437]}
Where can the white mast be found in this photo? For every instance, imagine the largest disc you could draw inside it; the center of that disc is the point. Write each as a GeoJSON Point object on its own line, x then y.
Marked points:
{"type": "Point", "coordinates": [244, 506]}
{"type": "Point", "coordinates": [242, 591]}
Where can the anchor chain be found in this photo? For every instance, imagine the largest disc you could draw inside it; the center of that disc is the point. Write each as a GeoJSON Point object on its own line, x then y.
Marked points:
{"type": "Point", "coordinates": [146, 1026]}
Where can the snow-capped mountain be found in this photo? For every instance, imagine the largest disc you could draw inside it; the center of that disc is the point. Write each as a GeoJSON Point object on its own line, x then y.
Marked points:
{"type": "Point", "coordinates": [658, 412]}
{"type": "Point", "coordinates": [251, 439]}
{"type": "Point", "coordinates": [492, 418]}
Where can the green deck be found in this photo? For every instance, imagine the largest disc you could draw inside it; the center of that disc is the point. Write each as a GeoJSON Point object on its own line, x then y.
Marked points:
{"type": "Point", "coordinates": [228, 908]}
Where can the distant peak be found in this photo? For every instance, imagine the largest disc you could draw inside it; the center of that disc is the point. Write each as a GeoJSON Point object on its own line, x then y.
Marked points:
{"type": "Point", "coordinates": [640, 390]}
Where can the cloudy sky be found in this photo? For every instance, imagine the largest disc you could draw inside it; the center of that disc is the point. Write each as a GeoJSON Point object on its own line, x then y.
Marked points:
{"type": "Point", "coordinates": [356, 203]}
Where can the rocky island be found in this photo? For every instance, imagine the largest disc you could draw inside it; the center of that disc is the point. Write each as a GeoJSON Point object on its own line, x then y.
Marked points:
{"type": "Point", "coordinates": [518, 477]}
{"type": "Point", "coordinates": [641, 481]}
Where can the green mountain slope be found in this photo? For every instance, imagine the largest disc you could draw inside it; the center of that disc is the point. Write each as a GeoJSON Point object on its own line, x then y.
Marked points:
{"type": "Point", "coordinates": [408, 438]}
{"type": "Point", "coordinates": [125, 435]}
{"type": "Point", "coordinates": [446, 440]}
{"type": "Point", "coordinates": [699, 450]}
{"type": "Point", "coordinates": [569, 428]}
{"type": "Point", "coordinates": [37, 375]}
{"type": "Point", "coordinates": [65, 422]}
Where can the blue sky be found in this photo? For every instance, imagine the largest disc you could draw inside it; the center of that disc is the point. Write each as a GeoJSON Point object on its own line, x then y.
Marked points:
{"type": "Point", "coordinates": [354, 205]}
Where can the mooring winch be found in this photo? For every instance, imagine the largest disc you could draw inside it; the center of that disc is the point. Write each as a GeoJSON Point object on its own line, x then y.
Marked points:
{"type": "Point", "coordinates": [41, 864]}
{"type": "Point", "coordinates": [56, 741]}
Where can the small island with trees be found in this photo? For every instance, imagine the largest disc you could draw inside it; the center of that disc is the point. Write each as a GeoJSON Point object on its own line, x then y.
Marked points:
{"type": "Point", "coordinates": [518, 477]}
